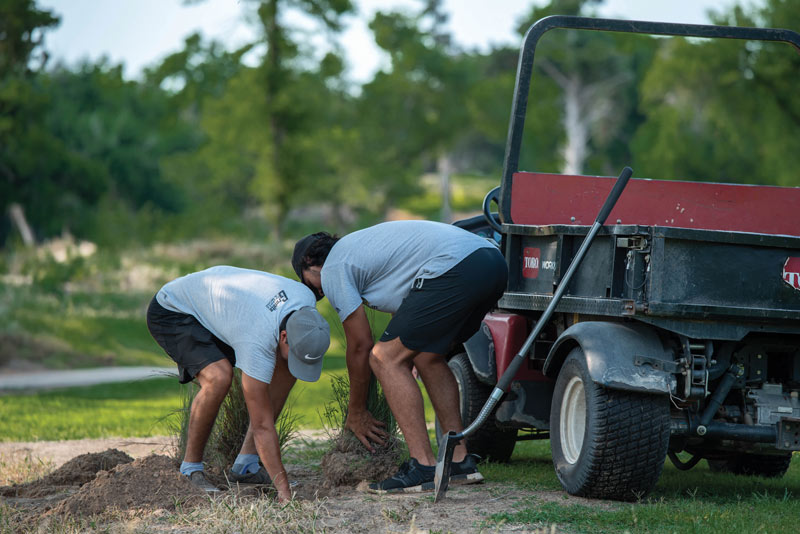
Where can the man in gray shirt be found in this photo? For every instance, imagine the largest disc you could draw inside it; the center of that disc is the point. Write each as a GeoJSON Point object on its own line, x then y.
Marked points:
{"type": "Point", "coordinates": [438, 281]}
{"type": "Point", "coordinates": [265, 325]}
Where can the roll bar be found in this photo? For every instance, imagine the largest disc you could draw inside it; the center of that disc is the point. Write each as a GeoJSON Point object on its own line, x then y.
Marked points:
{"type": "Point", "coordinates": [540, 27]}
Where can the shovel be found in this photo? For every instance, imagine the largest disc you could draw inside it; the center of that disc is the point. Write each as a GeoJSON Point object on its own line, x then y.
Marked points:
{"type": "Point", "coordinates": [451, 439]}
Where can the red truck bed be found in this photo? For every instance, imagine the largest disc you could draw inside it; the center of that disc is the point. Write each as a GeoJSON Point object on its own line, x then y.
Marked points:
{"type": "Point", "coordinates": [547, 199]}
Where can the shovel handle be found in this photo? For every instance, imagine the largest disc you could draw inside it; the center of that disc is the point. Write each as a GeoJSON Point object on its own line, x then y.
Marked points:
{"type": "Point", "coordinates": [452, 438]}
{"type": "Point", "coordinates": [612, 198]}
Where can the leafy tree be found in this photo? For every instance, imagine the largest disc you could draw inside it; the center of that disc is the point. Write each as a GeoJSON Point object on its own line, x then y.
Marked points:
{"type": "Point", "coordinates": [22, 27]}
{"type": "Point", "coordinates": [37, 170]}
{"type": "Point", "coordinates": [414, 115]}
{"type": "Point", "coordinates": [198, 72]}
{"type": "Point", "coordinates": [78, 144]}
{"type": "Point", "coordinates": [261, 151]}
{"type": "Point", "coordinates": [117, 125]}
{"type": "Point", "coordinates": [209, 112]}
{"type": "Point", "coordinates": [489, 105]}
{"type": "Point", "coordinates": [720, 110]}
{"type": "Point", "coordinates": [286, 114]}
{"type": "Point", "coordinates": [596, 76]}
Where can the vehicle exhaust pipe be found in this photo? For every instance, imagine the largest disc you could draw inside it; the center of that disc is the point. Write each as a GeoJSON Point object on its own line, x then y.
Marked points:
{"type": "Point", "coordinates": [686, 426]}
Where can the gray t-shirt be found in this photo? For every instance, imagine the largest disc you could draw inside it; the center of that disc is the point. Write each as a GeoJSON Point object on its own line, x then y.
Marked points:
{"type": "Point", "coordinates": [379, 264]}
{"type": "Point", "coordinates": [242, 307]}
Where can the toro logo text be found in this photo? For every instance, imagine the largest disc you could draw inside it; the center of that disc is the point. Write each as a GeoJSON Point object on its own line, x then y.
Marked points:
{"type": "Point", "coordinates": [791, 272]}
{"type": "Point", "coordinates": [530, 262]}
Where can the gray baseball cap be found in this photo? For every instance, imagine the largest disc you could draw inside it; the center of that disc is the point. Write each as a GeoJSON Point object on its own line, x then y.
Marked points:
{"type": "Point", "coordinates": [308, 336]}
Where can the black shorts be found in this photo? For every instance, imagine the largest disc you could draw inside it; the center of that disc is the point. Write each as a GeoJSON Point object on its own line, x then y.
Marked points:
{"type": "Point", "coordinates": [447, 310]}
{"type": "Point", "coordinates": [191, 345]}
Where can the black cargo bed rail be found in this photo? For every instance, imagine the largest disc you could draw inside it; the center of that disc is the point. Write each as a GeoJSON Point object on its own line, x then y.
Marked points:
{"type": "Point", "coordinates": [537, 30]}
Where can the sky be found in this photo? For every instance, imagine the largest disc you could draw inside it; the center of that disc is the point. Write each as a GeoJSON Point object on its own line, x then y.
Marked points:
{"type": "Point", "coordinates": [139, 33]}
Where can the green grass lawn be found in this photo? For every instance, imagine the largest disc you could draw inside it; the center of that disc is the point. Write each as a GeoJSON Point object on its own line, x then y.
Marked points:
{"type": "Point", "coordinates": [683, 502]}
{"type": "Point", "coordinates": [136, 409]}
{"type": "Point", "coordinates": [695, 501]}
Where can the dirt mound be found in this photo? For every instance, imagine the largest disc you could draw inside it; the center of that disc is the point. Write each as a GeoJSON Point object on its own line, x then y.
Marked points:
{"type": "Point", "coordinates": [347, 462]}
{"type": "Point", "coordinates": [75, 472]}
{"type": "Point", "coordinates": [153, 482]}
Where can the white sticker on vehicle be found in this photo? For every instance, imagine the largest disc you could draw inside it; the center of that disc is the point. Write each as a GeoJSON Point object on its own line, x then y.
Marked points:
{"type": "Point", "coordinates": [791, 272]}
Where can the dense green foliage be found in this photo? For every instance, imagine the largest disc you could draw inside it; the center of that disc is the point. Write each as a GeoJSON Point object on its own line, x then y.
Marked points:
{"type": "Point", "coordinates": [208, 144]}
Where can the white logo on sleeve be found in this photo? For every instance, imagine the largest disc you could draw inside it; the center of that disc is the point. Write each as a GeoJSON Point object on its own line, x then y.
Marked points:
{"type": "Point", "coordinates": [276, 301]}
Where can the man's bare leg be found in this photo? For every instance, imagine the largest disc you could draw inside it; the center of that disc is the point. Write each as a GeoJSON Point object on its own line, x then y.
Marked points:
{"type": "Point", "coordinates": [215, 381]}
{"type": "Point", "coordinates": [391, 362]}
{"type": "Point", "coordinates": [442, 389]}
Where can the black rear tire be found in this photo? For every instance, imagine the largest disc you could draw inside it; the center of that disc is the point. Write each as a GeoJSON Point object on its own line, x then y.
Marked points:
{"type": "Point", "coordinates": [606, 444]}
{"type": "Point", "coordinates": [760, 465]}
{"type": "Point", "coordinates": [488, 441]}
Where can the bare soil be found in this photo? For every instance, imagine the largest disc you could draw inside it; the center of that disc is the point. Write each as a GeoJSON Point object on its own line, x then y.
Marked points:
{"type": "Point", "coordinates": [111, 483]}
{"type": "Point", "coordinates": [75, 473]}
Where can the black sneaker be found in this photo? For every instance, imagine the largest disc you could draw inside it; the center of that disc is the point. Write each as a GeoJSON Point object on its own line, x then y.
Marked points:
{"type": "Point", "coordinates": [465, 471]}
{"type": "Point", "coordinates": [411, 478]}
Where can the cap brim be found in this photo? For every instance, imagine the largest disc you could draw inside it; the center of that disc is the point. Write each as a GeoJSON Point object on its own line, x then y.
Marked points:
{"type": "Point", "coordinates": [303, 371]}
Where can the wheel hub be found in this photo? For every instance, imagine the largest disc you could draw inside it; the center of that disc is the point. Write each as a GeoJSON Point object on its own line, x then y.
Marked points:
{"type": "Point", "coordinates": [572, 424]}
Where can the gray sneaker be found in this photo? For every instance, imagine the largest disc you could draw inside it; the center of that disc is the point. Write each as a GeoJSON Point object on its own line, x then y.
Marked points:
{"type": "Point", "coordinates": [260, 477]}
{"type": "Point", "coordinates": [198, 478]}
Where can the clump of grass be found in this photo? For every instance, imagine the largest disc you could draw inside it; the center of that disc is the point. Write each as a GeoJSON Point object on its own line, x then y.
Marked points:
{"type": "Point", "coordinates": [230, 426]}
{"type": "Point", "coordinates": [334, 414]}
{"type": "Point", "coordinates": [8, 519]}
{"type": "Point", "coordinates": [347, 461]}
{"type": "Point", "coordinates": [178, 421]}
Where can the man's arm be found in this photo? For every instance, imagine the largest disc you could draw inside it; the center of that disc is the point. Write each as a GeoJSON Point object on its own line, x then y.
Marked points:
{"type": "Point", "coordinates": [262, 422]}
{"type": "Point", "coordinates": [359, 344]}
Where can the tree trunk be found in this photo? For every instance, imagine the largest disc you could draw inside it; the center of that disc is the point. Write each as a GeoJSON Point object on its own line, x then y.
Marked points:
{"type": "Point", "coordinates": [17, 215]}
{"type": "Point", "coordinates": [576, 127]}
{"type": "Point", "coordinates": [445, 168]}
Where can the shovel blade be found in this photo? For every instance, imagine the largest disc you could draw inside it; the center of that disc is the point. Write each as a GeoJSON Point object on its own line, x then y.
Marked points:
{"type": "Point", "coordinates": [443, 464]}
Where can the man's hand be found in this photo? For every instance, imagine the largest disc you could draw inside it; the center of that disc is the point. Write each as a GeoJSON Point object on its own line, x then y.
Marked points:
{"type": "Point", "coordinates": [359, 344]}
{"type": "Point", "coordinates": [282, 485]}
{"type": "Point", "coordinates": [265, 436]}
{"type": "Point", "coordinates": [366, 428]}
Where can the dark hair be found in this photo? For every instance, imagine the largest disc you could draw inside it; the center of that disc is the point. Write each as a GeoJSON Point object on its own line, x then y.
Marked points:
{"type": "Point", "coordinates": [312, 250]}
{"type": "Point", "coordinates": [285, 320]}
{"type": "Point", "coordinates": [318, 251]}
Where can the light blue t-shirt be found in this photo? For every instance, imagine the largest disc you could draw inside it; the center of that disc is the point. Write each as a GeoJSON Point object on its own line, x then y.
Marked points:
{"type": "Point", "coordinates": [378, 265]}
{"type": "Point", "coordinates": [242, 307]}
